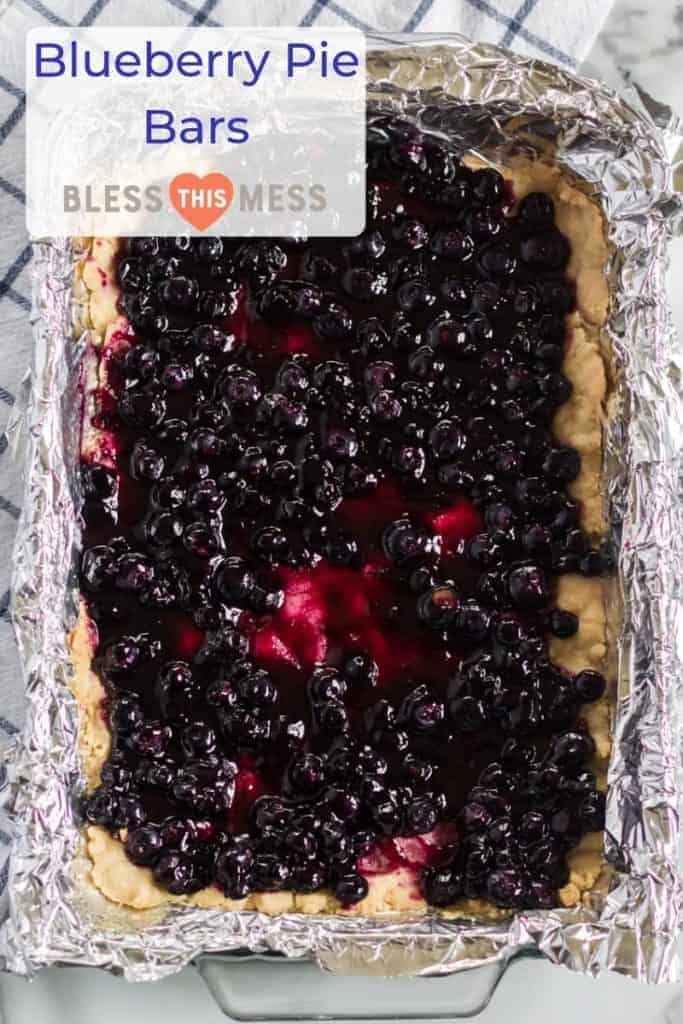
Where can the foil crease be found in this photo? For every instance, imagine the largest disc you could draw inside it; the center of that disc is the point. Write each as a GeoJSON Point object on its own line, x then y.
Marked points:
{"type": "Point", "coordinates": [625, 149]}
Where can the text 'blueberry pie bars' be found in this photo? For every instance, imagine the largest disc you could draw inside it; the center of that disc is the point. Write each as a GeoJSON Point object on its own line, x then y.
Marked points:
{"type": "Point", "coordinates": [343, 642]}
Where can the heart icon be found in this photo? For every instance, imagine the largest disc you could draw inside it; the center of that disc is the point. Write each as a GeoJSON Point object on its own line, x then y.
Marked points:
{"type": "Point", "coordinates": [201, 201]}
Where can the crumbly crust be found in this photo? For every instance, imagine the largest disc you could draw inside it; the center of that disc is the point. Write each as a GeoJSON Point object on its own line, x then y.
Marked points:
{"type": "Point", "coordinates": [579, 422]}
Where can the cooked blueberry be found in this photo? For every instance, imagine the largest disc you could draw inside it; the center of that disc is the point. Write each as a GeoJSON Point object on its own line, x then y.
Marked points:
{"type": "Point", "coordinates": [164, 528]}
{"type": "Point", "coordinates": [204, 497]}
{"type": "Point", "coordinates": [309, 877]}
{"type": "Point", "coordinates": [537, 541]}
{"type": "Point", "coordinates": [404, 335]}
{"type": "Point", "coordinates": [563, 623]}
{"type": "Point", "coordinates": [142, 409]}
{"type": "Point", "coordinates": [380, 717]}
{"type": "Point", "coordinates": [421, 816]}
{"type": "Point", "coordinates": [556, 296]}
{"type": "Point", "coordinates": [257, 689]}
{"type": "Point", "coordinates": [177, 376]}
{"type": "Point", "coordinates": [198, 739]}
{"type": "Point", "coordinates": [234, 581]}
{"type": "Point", "coordinates": [101, 807]}
{"type": "Point", "coordinates": [509, 631]}
{"type": "Point", "coordinates": [345, 806]}
{"type": "Point", "coordinates": [438, 607]}
{"type": "Point", "coordinates": [372, 336]}
{"type": "Point", "coordinates": [592, 812]}
{"type": "Point", "coordinates": [385, 406]}
{"type": "Point", "coordinates": [286, 299]}
{"type": "Point", "coordinates": [366, 248]}
{"type": "Point", "coordinates": [334, 323]}
{"type": "Point", "coordinates": [441, 885]}
{"type": "Point", "coordinates": [528, 587]}
{"type": "Point", "coordinates": [532, 827]}
{"type": "Point", "coordinates": [364, 284]}
{"type": "Point", "coordinates": [144, 845]}
{"type": "Point", "coordinates": [269, 872]}
{"type": "Point", "coordinates": [452, 245]}
{"type": "Point", "coordinates": [415, 295]}
{"type": "Point", "coordinates": [537, 211]}
{"type": "Point", "coordinates": [507, 888]}
{"type": "Point", "coordinates": [485, 223]}
{"type": "Point", "coordinates": [341, 549]}
{"type": "Point", "coordinates": [473, 621]}
{"type": "Point", "coordinates": [593, 563]}
{"type": "Point", "coordinates": [467, 713]}
{"type": "Point", "coordinates": [212, 340]}
{"type": "Point", "coordinates": [541, 894]}
{"type": "Point", "coordinates": [488, 186]}
{"type": "Point", "coordinates": [480, 854]}
{"type": "Point", "coordinates": [332, 718]}
{"type": "Point", "coordinates": [207, 785]}
{"type": "Point", "coordinates": [500, 262]}
{"type": "Point", "coordinates": [124, 656]}
{"type": "Point", "coordinates": [403, 542]}
{"type": "Point", "coordinates": [447, 440]}
{"type": "Point", "coordinates": [179, 292]}
{"type": "Point", "coordinates": [408, 154]}
{"type": "Point", "coordinates": [411, 233]}
{"type": "Point", "coordinates": [131, 813]}
{"type": "Point", "coordinates": [306, 774]}
{"type": "Point", "coordinates": [451, 337]}
{"type": "Point", "coordinates": [241, 388]}
{"type": "Point", "coordinates": [340, 443]}
{"type": "Point", "coordinates": [134, 572]}
{"type": "Point", "coordinates": [99, 483]}
{"type": "Point", "coordinates": [271, 544]}
{"type": "Point", "coordinates": [547, 860]}
{"type": "Point", "coordinates": [555, 389]}
{"type": "Point", "coordinates": [201, 540]}
{"type": "Point", "coordinates": [233, 871]}
{"type": "Point", "coordinates": [571, 749]}
{"type": "Point", "coordinates": [361, 670]}
{"type": "Point", "coordinates": [260, 261]}
{"type": "Point", "coordinates": [222, 645]}
{"type": "Point", "coordinates": [351, 888]}
{"type": "Point", "coordinates": [385, 813]}
{"type": "Point", "coordinates": [150, 739]}
{"type": "Point", "coordinates": [126, 715]}
{"type": "Point", "coordinates": [589, 685]}
{"type": "Point", "coordinates": [457, 194]}
{"type": "Point", "coordinates": [175, 872]}
{"type": "Point", "coordinates": [176, 689]}
{"type": "Point", "coordinates": [421, 712]}
{"type": "Point", "coordinates": [547, 251]}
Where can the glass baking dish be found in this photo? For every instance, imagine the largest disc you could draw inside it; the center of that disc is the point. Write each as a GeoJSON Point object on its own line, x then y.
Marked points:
{"type": "Point", "coordinates": [248, 986]}
{"type": "Point", "coordinates": [255, 987]}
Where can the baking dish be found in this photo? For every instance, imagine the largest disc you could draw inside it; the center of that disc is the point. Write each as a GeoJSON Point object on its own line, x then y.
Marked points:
{"type": "Point", "coordinates": [478, 69]}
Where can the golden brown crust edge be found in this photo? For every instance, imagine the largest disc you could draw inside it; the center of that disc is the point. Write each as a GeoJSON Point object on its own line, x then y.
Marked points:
{"type": "Point", "coordinates": [579, 422]}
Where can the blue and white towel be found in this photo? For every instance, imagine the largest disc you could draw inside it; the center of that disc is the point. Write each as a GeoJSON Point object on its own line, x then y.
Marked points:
{"type": "Point", "coordinates": [552, 29]}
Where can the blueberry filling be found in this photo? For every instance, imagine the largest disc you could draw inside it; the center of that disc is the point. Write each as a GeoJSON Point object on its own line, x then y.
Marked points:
{"type": "Point", "coordinates": [323, 569]}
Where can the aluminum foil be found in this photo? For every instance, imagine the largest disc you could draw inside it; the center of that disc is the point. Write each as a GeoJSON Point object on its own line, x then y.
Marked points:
{"type": "Point", "coordinates": [624, 151]}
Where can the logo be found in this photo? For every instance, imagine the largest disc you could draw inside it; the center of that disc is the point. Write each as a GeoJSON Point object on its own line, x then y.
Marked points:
{"type": "Point", "coordinates": [201, 201]}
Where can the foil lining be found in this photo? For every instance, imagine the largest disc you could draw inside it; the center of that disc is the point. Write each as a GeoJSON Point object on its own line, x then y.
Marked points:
{"type": "Point", "coordinates": [624, 149]}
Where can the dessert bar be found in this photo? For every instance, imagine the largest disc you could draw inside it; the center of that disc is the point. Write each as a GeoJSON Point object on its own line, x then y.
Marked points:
{"type": "Point", "coordinates": [342, 642]}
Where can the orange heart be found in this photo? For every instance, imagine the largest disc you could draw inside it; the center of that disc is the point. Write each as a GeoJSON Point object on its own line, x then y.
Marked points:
{"type": "Point", "coordinates": [201, 201]}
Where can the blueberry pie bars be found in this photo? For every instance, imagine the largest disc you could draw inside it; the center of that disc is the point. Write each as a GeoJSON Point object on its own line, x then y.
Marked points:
{"type": "Point", "coordinates": [342, 643]}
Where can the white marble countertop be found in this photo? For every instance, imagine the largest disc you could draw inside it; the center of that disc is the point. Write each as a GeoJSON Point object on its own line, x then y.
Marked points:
{"type": "Point", "coordinates": [646, 38]}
